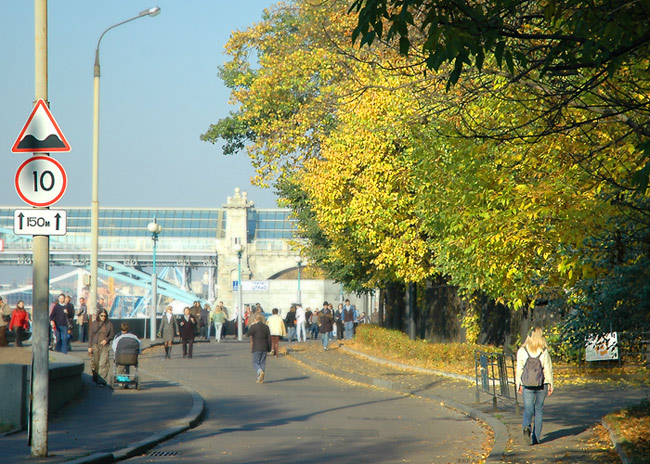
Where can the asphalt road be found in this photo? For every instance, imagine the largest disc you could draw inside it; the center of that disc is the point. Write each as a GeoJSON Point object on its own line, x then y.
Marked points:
{"type": "Point", "coordinates": [299, 415]}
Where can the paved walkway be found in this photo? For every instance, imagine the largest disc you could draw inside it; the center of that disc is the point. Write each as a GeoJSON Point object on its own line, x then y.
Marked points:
{"type": "Point", "coordinates": [105, 425]}
{"type": "Point", "coordinates": [568, 415]}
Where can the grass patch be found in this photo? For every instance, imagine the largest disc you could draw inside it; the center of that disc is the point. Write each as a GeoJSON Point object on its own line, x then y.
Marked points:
{"type": "Point", "coordinates": [632, 426]}
{"type": "Point", "coordinates": [458, 358]}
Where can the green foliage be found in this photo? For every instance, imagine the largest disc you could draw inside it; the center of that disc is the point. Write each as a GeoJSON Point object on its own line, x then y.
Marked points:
{"type": "Point", "coordinates": [618, 297]}
{"type": "Point", "coordinates": [315, 243]}
{"type": "Point", "coordinates": [548, 36]}
{"type": "Point", "coordinates": [507, 186]}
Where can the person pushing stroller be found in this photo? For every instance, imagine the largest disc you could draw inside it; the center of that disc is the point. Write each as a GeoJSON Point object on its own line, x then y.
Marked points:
{"type": "Point", "coordinates": [126, 347]}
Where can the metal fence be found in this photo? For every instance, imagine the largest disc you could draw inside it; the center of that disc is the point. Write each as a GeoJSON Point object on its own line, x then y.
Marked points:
{"type": "Point", "coordinates": [495, 375]}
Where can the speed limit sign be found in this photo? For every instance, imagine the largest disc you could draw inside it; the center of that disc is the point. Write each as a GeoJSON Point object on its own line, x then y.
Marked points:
{"type": "Point", "coordinates": [41, 181]}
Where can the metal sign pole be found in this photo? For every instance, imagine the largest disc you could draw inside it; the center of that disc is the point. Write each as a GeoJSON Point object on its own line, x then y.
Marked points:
{"type": "Point", "coordinates": [40, 270]}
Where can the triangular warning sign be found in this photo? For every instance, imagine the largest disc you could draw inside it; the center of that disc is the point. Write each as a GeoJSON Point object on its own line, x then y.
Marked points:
{"type": "Point", "coordinates": [41, 133]}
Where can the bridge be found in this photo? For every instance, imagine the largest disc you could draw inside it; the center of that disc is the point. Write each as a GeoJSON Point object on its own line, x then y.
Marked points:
{"type": "Point", "coordinates": [194, 242]}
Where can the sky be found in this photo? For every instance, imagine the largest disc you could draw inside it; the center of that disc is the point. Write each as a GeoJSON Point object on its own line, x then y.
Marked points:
{"type": "Point", "coordinates": [159, 91]}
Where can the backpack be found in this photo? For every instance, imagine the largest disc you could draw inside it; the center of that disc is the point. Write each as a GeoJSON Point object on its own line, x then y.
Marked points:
{"type": "Point", "coordinates": [532, 375]}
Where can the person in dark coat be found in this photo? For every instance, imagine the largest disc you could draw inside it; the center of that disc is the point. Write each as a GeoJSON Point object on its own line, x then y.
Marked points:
{"type": "Point", "coordinates": [290, 323]}
{"type": "Point", "coordinates": [69, 310]}
{"type": "Point", "coordinates": [325, 326]}
{"type": "Point", "coordinates": [188, 324]}
{"type": "Point", "coordinates": [260, 336]}
{"type": "Point", "coordinates": [99, 347]}
{"type": "Point", "coordinates": [168, 330]}
{"type": "Point", "coordinates": [59, 321]}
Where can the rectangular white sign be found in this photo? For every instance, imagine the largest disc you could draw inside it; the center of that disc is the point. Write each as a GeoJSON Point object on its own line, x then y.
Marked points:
{"type": "Point", "coordinates": [602, 347]}
{"type": "Point", "coordinates": [40, 222]}
{"type": "Point", "coordinates": [255, 285]}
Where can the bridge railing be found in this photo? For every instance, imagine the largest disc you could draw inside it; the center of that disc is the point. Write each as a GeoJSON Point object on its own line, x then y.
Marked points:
{"type": "Point", "coordinates": [495, 375]}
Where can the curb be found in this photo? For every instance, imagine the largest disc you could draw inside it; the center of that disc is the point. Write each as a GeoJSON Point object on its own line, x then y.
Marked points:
{"type": "Point", "coordinates": [617, 443]}
{"type": "Point", "coordinates": [498, 428]}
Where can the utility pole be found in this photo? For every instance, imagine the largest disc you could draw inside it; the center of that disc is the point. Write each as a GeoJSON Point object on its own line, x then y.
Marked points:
{"type": "Point", "coordinates": [40, 270]}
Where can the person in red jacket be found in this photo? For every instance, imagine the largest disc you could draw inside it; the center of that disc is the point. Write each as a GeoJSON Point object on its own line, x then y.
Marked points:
{"type": "Point", "coordinates": [19, 322]}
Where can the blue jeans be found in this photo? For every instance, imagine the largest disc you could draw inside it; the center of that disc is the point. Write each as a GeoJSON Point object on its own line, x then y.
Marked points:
{"type": "Point", "coordinates": [83, 333]}
{"type": "Point", "coordinates": [326, 339]}
{"type": "Point", "coordinates": [62, 339]}
{"type": "Point", "coordinates": [259, 361]}
{"type": "Point", "coordinates": [291, 333]}
{"type": "Point", "coordinates": [534, 405]}
{"type": "Point", "coordinates": [348, 329]}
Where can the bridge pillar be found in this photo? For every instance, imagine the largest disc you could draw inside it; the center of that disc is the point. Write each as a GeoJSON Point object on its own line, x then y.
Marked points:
{"type": "Point", "coordinates": [236, 208]}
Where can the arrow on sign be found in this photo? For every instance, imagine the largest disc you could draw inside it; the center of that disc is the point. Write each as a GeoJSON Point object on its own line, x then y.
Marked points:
{"type": "Point", "coordinates": [21, 216]}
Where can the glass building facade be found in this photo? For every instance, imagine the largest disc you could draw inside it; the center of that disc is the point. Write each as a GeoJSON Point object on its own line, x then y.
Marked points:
{"type": "Point", "coordinates": [126, 228]}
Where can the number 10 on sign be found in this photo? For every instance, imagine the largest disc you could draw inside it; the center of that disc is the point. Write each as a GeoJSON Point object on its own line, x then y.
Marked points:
{"type": "Point", "coordinates": [41, 181]}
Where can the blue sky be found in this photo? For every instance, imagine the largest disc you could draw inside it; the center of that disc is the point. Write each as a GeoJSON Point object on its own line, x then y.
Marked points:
{"type": "Point", "coordinates": [159, 92]}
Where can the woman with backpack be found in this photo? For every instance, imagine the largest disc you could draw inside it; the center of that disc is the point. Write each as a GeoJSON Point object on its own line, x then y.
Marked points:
{"type": "Point", "coordinates": [534, 379]}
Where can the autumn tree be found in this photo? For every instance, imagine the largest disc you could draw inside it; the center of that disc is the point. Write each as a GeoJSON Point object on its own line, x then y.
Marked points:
{"type": "Point", "coordinates": [397, 176]}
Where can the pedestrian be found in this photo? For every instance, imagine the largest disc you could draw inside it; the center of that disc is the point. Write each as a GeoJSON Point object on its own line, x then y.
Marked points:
{"type": "Point", "coordinates": [217, 319]}
{"type": "Point", "coordinates": [350, 317]}
{"type": "Point", "coordinates": [260, 345]}
{"type": "Point", "coordinates": [195, 310]}
{"type": "Point", "coordinates": [308, 313]}
{"type": "Point", "coordinates": [19, 322]}
{"type": "Point", "coordinates": [188, 324]}
{"type": "Point", "coordinates": [313, 320]}
{"type": "Point", "coordinates": [277, 329]}
{"type": "Point", "coordinates": [5, 318]}
{"type": "Point", "coordinates": [290, 322]}
{"type": "Point", "coordinates": [247, 317]}
{"type": "Point", "coordinates": [82, 320]}
{"type": "Point", "coordinates": [534, 379]}
{"type": "Point", "coordinates": [69, 311]}
{"type": "Point", "coordinates": [204, 323]}
{"type": "Point", "coordinates": [59, 322]}
{"type": "Point", "coordinates": [301, 321]}
{"type": "Point", "coordinates": [99, 346]}
{"type": "Point", "coordinates": [339, 327]}
{"type": "Point", "coordinates": [167, 330]}
{"type": "Point", "coordinates": [325, 325]}
{"type": "Point", "coordinates": [99, 304]}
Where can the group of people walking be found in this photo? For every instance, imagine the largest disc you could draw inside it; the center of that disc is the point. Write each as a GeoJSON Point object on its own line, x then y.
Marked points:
{"type": "Point", "coordinates": [336, 324]}
{"type": "Point", "coordinates": [196, 321]}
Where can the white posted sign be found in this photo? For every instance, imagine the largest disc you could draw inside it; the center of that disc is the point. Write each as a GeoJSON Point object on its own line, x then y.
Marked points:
{"type": "Point", "coordinates": [40, 222]}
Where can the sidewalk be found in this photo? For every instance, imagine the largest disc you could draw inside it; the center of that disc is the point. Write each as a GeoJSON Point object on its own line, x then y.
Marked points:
{"type": "Point", "coordinates": [569, 413]}
{"type": "Point", "coordinates": [105, 425]}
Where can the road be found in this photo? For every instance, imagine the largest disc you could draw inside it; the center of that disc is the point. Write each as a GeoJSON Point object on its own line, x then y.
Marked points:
{"type": "Point", "coordinates": [300, 415]}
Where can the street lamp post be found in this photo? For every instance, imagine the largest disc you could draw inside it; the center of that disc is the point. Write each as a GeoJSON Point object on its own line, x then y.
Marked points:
{"type": "Point", "coordinates": [94, 210]}
{"type": "Point", "coordinates": [298, 264]}
{"type": "Point", "coordinates": [239, 249]}
{"type": "Point", "coordinates": [155, 230]}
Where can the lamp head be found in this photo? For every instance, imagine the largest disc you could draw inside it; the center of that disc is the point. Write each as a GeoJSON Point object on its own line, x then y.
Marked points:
{"type": "Point", "coordinates": [238, 247]}
{"type": "Point", "coordinates": [154, 227]}
{"type": "Point", "coordinates": [299, 260]}
{"type": "Point", "coordinates": [155, 11]}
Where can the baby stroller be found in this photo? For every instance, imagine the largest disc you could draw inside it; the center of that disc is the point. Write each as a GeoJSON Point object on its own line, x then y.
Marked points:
{"type": "Point", "coordinates": [126, 361]}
